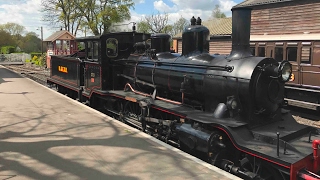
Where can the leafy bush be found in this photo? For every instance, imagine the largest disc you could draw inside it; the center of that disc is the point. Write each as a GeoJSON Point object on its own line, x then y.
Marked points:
{"type": "Point", "coordinates": [39, 60]}
{"type": "Point", "coordinates": [35, 54]}
{"type": "Point", "coordinates": [7, 49]}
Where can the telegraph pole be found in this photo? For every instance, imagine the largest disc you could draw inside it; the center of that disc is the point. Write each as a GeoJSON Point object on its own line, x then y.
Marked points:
{"type": "Point", "coordinates": [41, 41]}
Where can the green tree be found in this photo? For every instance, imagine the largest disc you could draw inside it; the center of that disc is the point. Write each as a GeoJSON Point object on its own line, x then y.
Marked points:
{"type": "Point", "coordinates": [31, 43]}
{"type": "Point", "coordinates": [6, 38]}
{"type": "Point", "coordinates": [179, 25]}
{"type": "Point", "coordinates": [216, 13]}
{"type": "Point", "coordinates": [62, 13]}
{"type": "Point", "coordinates": [15, 30]}
{"type": "Point", "coordinates": [97, 15]}
{"type": "Point", "coordinates": [143, 27]}
{"type": "Point", "coordinates": [100, 15]}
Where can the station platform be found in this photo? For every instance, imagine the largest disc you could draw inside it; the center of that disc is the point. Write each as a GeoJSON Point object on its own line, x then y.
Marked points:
{"type": "Point", "coordinates": [45, 135]}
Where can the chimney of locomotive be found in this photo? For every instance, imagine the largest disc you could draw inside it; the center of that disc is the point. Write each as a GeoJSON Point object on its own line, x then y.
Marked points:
{"type": "Point", "coordinates": [195, 38]}
{"type": "Point", "coordinates": [198, 21]}
{"type": "Point", "coordinates": [241, 23]}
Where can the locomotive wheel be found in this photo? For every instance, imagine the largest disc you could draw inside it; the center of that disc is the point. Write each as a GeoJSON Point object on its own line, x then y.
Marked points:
{"type": "Point", "coordinates": [163, 131]}
{"type": "Point", "coordinates": [264, 170]}
{"type": "Point", "coordinates": [131, 114]}
{"type": "Point", "coordinates": [268, 173]}
{"type": "Point", "coordinates": [117, 110]}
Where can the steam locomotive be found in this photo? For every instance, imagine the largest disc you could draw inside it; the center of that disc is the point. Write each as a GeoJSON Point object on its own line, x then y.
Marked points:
{"type": "Point", "coordinates": [228, 109]}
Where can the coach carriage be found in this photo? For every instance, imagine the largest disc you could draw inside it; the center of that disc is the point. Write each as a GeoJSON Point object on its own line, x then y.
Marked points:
{"type": "Point", "coordinates": [303, 52]}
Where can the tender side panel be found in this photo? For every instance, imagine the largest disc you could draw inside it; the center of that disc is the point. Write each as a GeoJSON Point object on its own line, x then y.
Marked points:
{"type": "Point", "coordinates": [67, 70]}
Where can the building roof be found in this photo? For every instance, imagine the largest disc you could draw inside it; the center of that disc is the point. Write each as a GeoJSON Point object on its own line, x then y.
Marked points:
{"type": "Point", "coordinates": [216, 26]}
{"type": "Point", "coordinates": [59, 34]}
{"type": "Point", "coordinates": [249, 3]}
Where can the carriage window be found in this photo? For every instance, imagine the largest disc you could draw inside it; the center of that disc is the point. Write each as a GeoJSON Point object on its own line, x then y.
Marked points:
{"type": "Point", "coordinates": [292, 53]}
{"type": "Point", "coordinates": [92, 50]}
{"type": "Point", "coordinates": [253, 50]}
{"type": "Point", "coordinates": [261, 51]}
{"type": "Point", "coordinates": [112, 47]}
{"type": "Point", "coordinates": [278, 53]}
{"type": "Point", "coordinates": [306, 55]}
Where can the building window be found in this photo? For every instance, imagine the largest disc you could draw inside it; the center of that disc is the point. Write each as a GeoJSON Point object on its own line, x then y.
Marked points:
{"type": "Point", "coordinates": [253, 50]}
{"type": "Point", "coordinates": [261, 51]}
{"type": "Point", "coordinates": [292, 54]}
{"type": "Point", "coordinates": [278, 53]}
{"type": "Point", "coordinates": [306, 55]}
{"type": "Point", "coordinates": [112, 47]}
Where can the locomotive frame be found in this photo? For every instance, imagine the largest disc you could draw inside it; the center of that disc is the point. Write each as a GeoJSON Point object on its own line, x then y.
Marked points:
{"type": "Point", "coordinates": [225, 108]}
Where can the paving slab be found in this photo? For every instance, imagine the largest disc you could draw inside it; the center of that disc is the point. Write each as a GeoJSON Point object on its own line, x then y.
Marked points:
{"type": "Point", "coordinates": [45, 135]}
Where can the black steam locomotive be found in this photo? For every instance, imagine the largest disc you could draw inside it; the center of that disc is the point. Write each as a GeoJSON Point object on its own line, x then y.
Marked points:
{"type": "Point", "coordinates": [228, 109]}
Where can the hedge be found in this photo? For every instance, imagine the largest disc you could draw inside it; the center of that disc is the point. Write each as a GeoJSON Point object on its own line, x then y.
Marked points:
{"type": "Point", "coordinates": [7, 49]}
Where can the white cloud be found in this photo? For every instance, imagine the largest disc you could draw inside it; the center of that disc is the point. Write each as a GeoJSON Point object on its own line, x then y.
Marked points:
{"type": "Point", "coordinates": [226, 6]}
{"type": "Point", "coordinates": [138, 1]}
{"type": "Point", "coordinates": [189, 8]}
{"type": "Point", "coordinates": [163, 7]}
{"type": "Point", "coordinates": [204, 5]}
{"type": "Point", "coordinates": [26, 13]}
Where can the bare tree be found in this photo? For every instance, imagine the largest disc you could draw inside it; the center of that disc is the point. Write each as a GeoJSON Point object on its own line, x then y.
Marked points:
{"type": "Point", "coordinates": [216, 13]}
{"type": "Point", "coordinates": [179, 25]}
{"type": "Point", "coordinates": [157, 22]}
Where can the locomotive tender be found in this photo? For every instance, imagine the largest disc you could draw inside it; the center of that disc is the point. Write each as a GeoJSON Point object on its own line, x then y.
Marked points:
{"type": "Point", "coordinates": [228, 109]}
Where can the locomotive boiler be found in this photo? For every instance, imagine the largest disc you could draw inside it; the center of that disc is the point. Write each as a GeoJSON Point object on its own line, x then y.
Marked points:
{"type": "Point", "coordinates": [228, 109]}
{"type": "Point", "coordinates": [239, 83]}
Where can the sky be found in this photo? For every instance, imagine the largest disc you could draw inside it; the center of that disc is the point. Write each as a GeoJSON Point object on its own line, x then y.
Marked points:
{"type": "Point", "coordinates": [28, 14]}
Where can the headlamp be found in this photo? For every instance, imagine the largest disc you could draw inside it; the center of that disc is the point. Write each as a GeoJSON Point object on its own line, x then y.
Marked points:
{"type": "Point", "coordinates": [232, 103]}
{"type": "Point", "coordinates": [284, 71]}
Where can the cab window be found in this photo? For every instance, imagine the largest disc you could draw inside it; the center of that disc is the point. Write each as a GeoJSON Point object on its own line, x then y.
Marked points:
{"type": "Point", "coordinates": [112, 47]}
{"type": "Point", "coordinates": [93, 50]}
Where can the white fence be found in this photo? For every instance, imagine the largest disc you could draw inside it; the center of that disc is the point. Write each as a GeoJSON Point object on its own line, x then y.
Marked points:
{"type": "Point", "coordinates": [14, 58]}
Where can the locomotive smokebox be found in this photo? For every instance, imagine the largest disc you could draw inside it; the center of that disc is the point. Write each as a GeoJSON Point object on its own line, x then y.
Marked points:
{"type": "Point", "coordinates": [160, 42]}
{"type": "Point", "coordinates": [195, 38]}
{"type": "Point", "coordinates": [241, 23]}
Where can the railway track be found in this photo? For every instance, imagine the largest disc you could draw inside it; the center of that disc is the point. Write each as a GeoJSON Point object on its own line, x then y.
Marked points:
{"type": "Point", "coordinates": [306, 116]}
{"type": "Point", "coordinates": [37, 74]}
